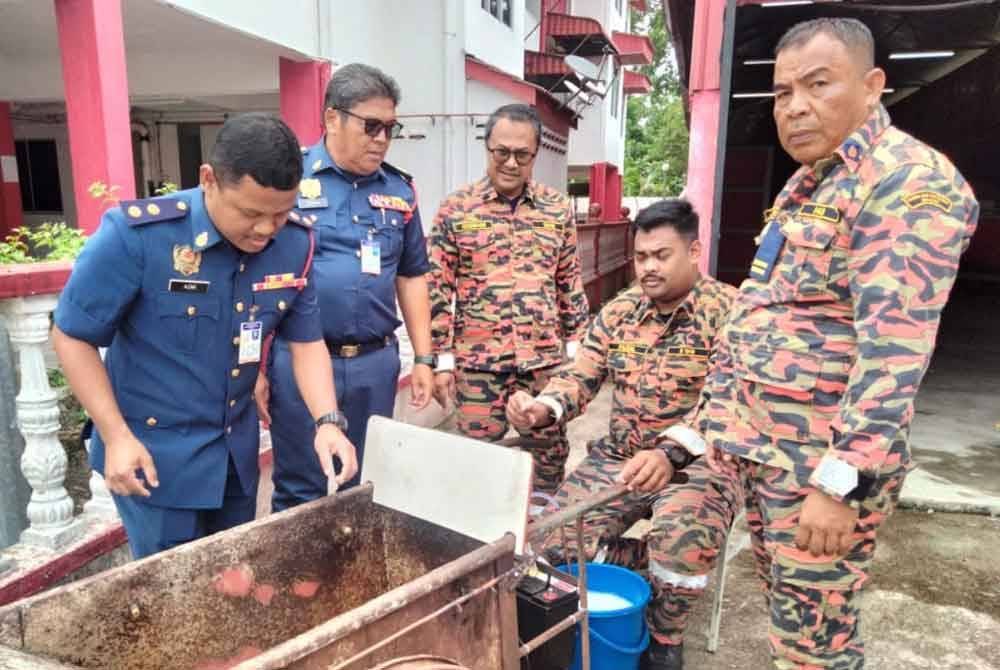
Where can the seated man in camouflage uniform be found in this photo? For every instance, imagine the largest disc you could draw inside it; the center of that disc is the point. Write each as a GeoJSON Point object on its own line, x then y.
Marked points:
{"type": "Point", "coordinates": [653, 341]}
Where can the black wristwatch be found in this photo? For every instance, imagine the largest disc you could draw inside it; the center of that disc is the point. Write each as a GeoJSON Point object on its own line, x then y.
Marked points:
{"type": "Point", "coordinates": [336, 417]}
{"type": "Point", "coordinates": [679, 457]}
{"type": "Point", "coordinates": [429, 359]}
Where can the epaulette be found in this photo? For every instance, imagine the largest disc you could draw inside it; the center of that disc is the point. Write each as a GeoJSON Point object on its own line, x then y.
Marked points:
{"type": "Point", "coordinates": [407, 177]}
{"type": "Point", "coordinates": [151, 210]}
{"type": "Point", "coordinates": [304, 220]}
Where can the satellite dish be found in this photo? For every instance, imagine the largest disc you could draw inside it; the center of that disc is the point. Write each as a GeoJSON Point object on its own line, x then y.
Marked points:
{"type": "Point", "coordinates": [583, 68]}
{"type": "Point", "coordinates": [597, 89]}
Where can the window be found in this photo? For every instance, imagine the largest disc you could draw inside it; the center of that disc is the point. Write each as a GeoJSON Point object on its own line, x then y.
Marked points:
{"type": "Point", "coordinates": [618, 7]}
{"type": "Point", "coordinates": [38, 172]}
{"type": "Point", "coordinates": [615, 94]}
{"type": "Point", "coordinates": [498, 9]}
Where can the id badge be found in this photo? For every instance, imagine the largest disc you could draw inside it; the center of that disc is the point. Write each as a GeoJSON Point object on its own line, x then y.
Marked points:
{"type": "Point", "coordinates": [371, 257]}
{"type": "Point", "coordinates": [250, 338]}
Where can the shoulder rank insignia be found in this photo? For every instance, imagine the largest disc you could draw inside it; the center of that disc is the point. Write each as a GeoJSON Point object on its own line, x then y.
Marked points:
{"type": "Point", "coordinates": [928, 199]}
{"type": "Point", "coordinates": [394, 202]}
{"type": "Point", "coordinates": [138, 212]}
{"type": "Point", "coordinates": [814, 210]}
{"type": "Point", "coordinates": [768, 252]}
{"type": "Point", "coordinates": [187, 261]}
{"type": "Point", "coordinates": [275, 282]}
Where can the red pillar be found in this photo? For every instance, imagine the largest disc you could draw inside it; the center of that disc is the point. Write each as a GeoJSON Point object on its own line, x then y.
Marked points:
{"type": "Point", "coordinates": [598, 187]}
{"type": "Point", "coordinates": [92, 47]}
{"type": "Point", "coordinates": [704, 99]}
{"type": "Point", "coordinates": [11, 214]}
{"type": "Point", "coordinates": [302, 89]}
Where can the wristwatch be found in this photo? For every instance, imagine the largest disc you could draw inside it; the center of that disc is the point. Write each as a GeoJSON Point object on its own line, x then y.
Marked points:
{"type": "Point", "coordinates": [336, 417]}
{"type": "Point", "coordinates": [842, 481]}
{"type": "Point", "coordinates": [429, 359]}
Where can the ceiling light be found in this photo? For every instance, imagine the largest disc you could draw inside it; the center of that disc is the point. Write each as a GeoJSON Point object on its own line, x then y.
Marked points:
{"type": "Point", "coordinates": [758, 94]}
{"type": "Point", "coordinates": [759, 61]}
{"type": "Point", "coordinates": [911, 55]}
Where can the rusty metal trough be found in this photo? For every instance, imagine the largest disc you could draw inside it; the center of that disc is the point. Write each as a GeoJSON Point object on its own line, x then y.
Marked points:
{"type": "Point", "coordinates": [340, 583]}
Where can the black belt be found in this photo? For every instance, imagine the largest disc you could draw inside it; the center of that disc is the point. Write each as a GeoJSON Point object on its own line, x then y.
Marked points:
{"type": "Point", "coordinates": [355, 349]}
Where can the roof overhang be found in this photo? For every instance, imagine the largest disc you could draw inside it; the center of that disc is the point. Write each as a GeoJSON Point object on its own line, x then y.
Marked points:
{"type": "Point", "coordinates": [551, 111]}
{"type": "Point", "coordinates": [633, 49]}
{"type": "Point", "coordinates": [636, 83]}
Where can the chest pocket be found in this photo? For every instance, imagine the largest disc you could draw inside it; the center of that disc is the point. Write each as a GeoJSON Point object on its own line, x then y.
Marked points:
{"type": "Point", "coordinates": [684, 373]}
{"type": "Point", "coordinates": [269, 307]}
{"type": "Point", "coordinates": [546, 242]}
{"type": "Point", "coordinates": [809, 256]}
{"type": "Point", "coordinates": [389, 233]}
{"type": "Point", "coordinates": [474, 238]}
{"type": "Point", "coordinates": [188, 319]}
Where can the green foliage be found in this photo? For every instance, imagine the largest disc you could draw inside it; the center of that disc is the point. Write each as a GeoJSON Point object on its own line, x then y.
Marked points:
{"type": "Point", "coordinates": [108, 195]}
{"type": "Point", "coordinates": [46, 242]}
{"type": "Point", "coordinates": [56, 378]}
{"type": "Point", "coordinates": [656, 140]}
{"type": "Point", "coordinates": [166, 188]}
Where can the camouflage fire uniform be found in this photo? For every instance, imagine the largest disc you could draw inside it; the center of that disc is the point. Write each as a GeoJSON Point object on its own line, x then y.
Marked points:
{"type": "Point", "coordinates": [828, 340]}
{"type": "Point", "coordinates": [657, 364]}
{"type": "Point", "coordinates": [514, 274]}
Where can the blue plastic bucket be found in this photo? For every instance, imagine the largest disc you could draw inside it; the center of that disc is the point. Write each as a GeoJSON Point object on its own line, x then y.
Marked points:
{"type": "Point", "coordinates": [619, 636]}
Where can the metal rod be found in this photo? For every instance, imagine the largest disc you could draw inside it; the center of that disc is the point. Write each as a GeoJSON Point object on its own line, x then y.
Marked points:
{"type": "Point", "coordinates": [542, 526]}
{"type": "Point", "coordinates": [486, 586]}
{"type": "Point", "coordinates": [550, 633]}
{"type": "Point", "coordinates": [582, 590]}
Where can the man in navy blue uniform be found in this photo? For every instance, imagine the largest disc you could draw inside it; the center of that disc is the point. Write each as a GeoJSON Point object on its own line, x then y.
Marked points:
{"type": "Point", "coordinates": [369, 249]}
{"type": "Point", "coordinates": [182, 290]}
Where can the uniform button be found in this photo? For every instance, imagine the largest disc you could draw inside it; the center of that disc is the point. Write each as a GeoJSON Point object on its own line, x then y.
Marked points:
{"type": "Point", "coordinates": [232, 402]}
{"type": "Point", "coordinates": [355, 218]}
{"type": "Point", "coordinates": [192, 310]}
{"type": "Point", "coordinates": [239, 307]}
{"type": "Point", "coordinates": [236, 341]}
{"type": "Point", "coordinates": [151, 421]}
{"type": "Point", "coordinates": [282, 305]}
{"type": "Point", "coordinates": [229, 429]}
{"type": "Point", "coordinates": [235, 372]}
{"type": "Point", "coordinates": [358, 254]}
{"type": "Point", "coordinates": [243, 267]}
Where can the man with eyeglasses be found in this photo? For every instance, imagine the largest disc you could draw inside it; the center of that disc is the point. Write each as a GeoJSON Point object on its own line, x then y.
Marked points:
{"type": "Point", "coordinates": [370, 248]}
{"type": "Point", "coordinates": [504, 249]}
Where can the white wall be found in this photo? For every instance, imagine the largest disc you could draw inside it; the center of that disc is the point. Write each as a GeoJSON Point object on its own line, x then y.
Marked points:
{"type": "Point", "coordinates": [491, 41]}
{"type": "Point", "coordinates": [290, 23]}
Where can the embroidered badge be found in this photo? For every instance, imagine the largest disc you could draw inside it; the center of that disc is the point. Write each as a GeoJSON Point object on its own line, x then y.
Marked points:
{"type": "Point", "coordinates": [275, 282]}
{"type": "Point", "coordinates": [201, 240]}
{"type": "Point", "coordinates": [814, 210]}
{"type": "Point", "coordinates": [928, 199]}
{"type": "Point", "coordinates": [310, 189]}
{"type": "Point", "coordinates": [379, 201]}
{"type": "Point", "coordinates": [187, 261]}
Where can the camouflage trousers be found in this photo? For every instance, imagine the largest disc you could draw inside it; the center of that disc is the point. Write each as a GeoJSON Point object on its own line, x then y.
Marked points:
{"type": "Point", "coordinates": [482, 414]}
{"type": "Point", "coordinates": [689, 525]}
{"type": "Point", "coordinates": [812, 600]}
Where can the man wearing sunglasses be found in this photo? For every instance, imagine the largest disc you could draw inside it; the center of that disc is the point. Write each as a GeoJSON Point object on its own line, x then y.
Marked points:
{"type": "Point", "coordinates": [370, 248]}
{"type": "Point", "coordinates": [504, 248]}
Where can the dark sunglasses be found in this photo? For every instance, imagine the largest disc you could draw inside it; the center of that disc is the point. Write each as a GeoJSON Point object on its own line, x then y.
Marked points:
{"type": "Point", "coordinates": [373, 127]}
{"type": "Point", "coordinates": [502, 154]}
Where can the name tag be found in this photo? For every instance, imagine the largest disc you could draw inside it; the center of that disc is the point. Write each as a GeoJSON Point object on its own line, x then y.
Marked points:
{"type": "Point", "coordinates": [628, 348]}
{"type": "Point", "coordinates": [250, 339]}
{"type": "Point", "coordinates": [187, 286]}
{"type": "Point", "coordinates": [472, 225]}
{"type": "Point", "coordinates": [313, 203]}
{"type": "Point", "coordinates": [690, 352]}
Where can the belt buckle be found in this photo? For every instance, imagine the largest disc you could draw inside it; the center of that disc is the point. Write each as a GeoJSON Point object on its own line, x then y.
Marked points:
{"type": "Point", "coordinates": [350, 350]}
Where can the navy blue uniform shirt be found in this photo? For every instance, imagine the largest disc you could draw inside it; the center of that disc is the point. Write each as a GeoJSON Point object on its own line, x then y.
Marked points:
{"type": "Point", "coordinates": [166, 293]}
{"type": "Point", "coordinates": [348, 209]}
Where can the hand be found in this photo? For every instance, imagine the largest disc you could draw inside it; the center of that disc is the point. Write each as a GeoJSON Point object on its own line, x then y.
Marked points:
{"type": "Point", "coordinates": [122, 457]}
{"type": "Point", "coordinates": [421, 386]}
{"type": "Point", "coordinates": [826, 526]}
{"type": "Point", "coordinates": [262, 396]}
{"type": "Point", "coordinates": [719, 461]}
{"type": "Point", "coordinates": [524, 412]}
{"type": "Point", "coordinates": [331, 442]}
{"type": "Point", "coordinates": [647, 471]}
{"type": "Point", "coordinates": [444, 388]}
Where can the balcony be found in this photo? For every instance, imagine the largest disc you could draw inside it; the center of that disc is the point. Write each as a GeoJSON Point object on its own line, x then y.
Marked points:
{"type": "Point", "coordinates": [636, 83]}
{"type": "Point", "coordinates": [578, 35]}
{"type": "Point", "coordinates": [633, 49]}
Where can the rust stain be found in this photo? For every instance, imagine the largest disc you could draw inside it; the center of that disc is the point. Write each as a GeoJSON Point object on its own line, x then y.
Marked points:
{"type": "Point", "coordinates": [263, 593]}
{"type": "Point", "coordinates": [235, 581]}
{"type": "Point", "coordinates": [305, 588]}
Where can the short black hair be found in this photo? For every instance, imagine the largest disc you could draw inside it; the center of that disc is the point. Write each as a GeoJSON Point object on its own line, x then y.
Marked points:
{"type": "Point", "coordinates": [259, 145]}
{"type": "Point", "coordinates": [677, 213]}
{"type": "Point", "coordinates": [519, 114]}
{"type": "Point", "coordinates": [852, 33]}
{"type": "Point", "coordinates": [355, 83]}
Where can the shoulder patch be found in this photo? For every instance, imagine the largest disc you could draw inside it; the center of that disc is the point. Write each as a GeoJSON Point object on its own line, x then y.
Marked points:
{"type": "Point", "coordinates": [928, 199]}
{"type": "Point", "coordinates": [151, 210]}
{"type": "Point", "coordinates": [407, 177]}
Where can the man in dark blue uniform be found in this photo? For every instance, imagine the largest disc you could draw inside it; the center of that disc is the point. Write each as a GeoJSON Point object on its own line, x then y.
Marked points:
{"type": "Point", "coordinates": [182, 290]}
{"type": "Point", "coordinates": [369, 249]}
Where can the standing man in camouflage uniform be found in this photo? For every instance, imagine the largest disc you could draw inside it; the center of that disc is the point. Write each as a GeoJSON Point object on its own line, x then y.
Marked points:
{"type": "Point", "coordinates": [811, 394]}
{"type": "Point", "coordinates": [504, 248]}
{"type": "Point", "coordinates": [653, 342]}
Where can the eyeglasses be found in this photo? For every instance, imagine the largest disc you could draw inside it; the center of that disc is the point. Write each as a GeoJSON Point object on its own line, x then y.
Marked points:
{"type": "Point", "coordinates": [374, 127]}
{"type": "Point", "coordinates": [502, 154]}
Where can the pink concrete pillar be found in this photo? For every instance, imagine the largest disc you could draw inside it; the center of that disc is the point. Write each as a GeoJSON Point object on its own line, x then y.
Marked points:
{"type": "Point", "coordinates": [704, 100]}
{"type": "Point", "coordinates": [92, 47]}
{"type": "Point", "coordinates": [302, 89]}
{"type": "Point", "coordinates": [598, 188]}
{"type": "Point", "coordinates": [11, 214]}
